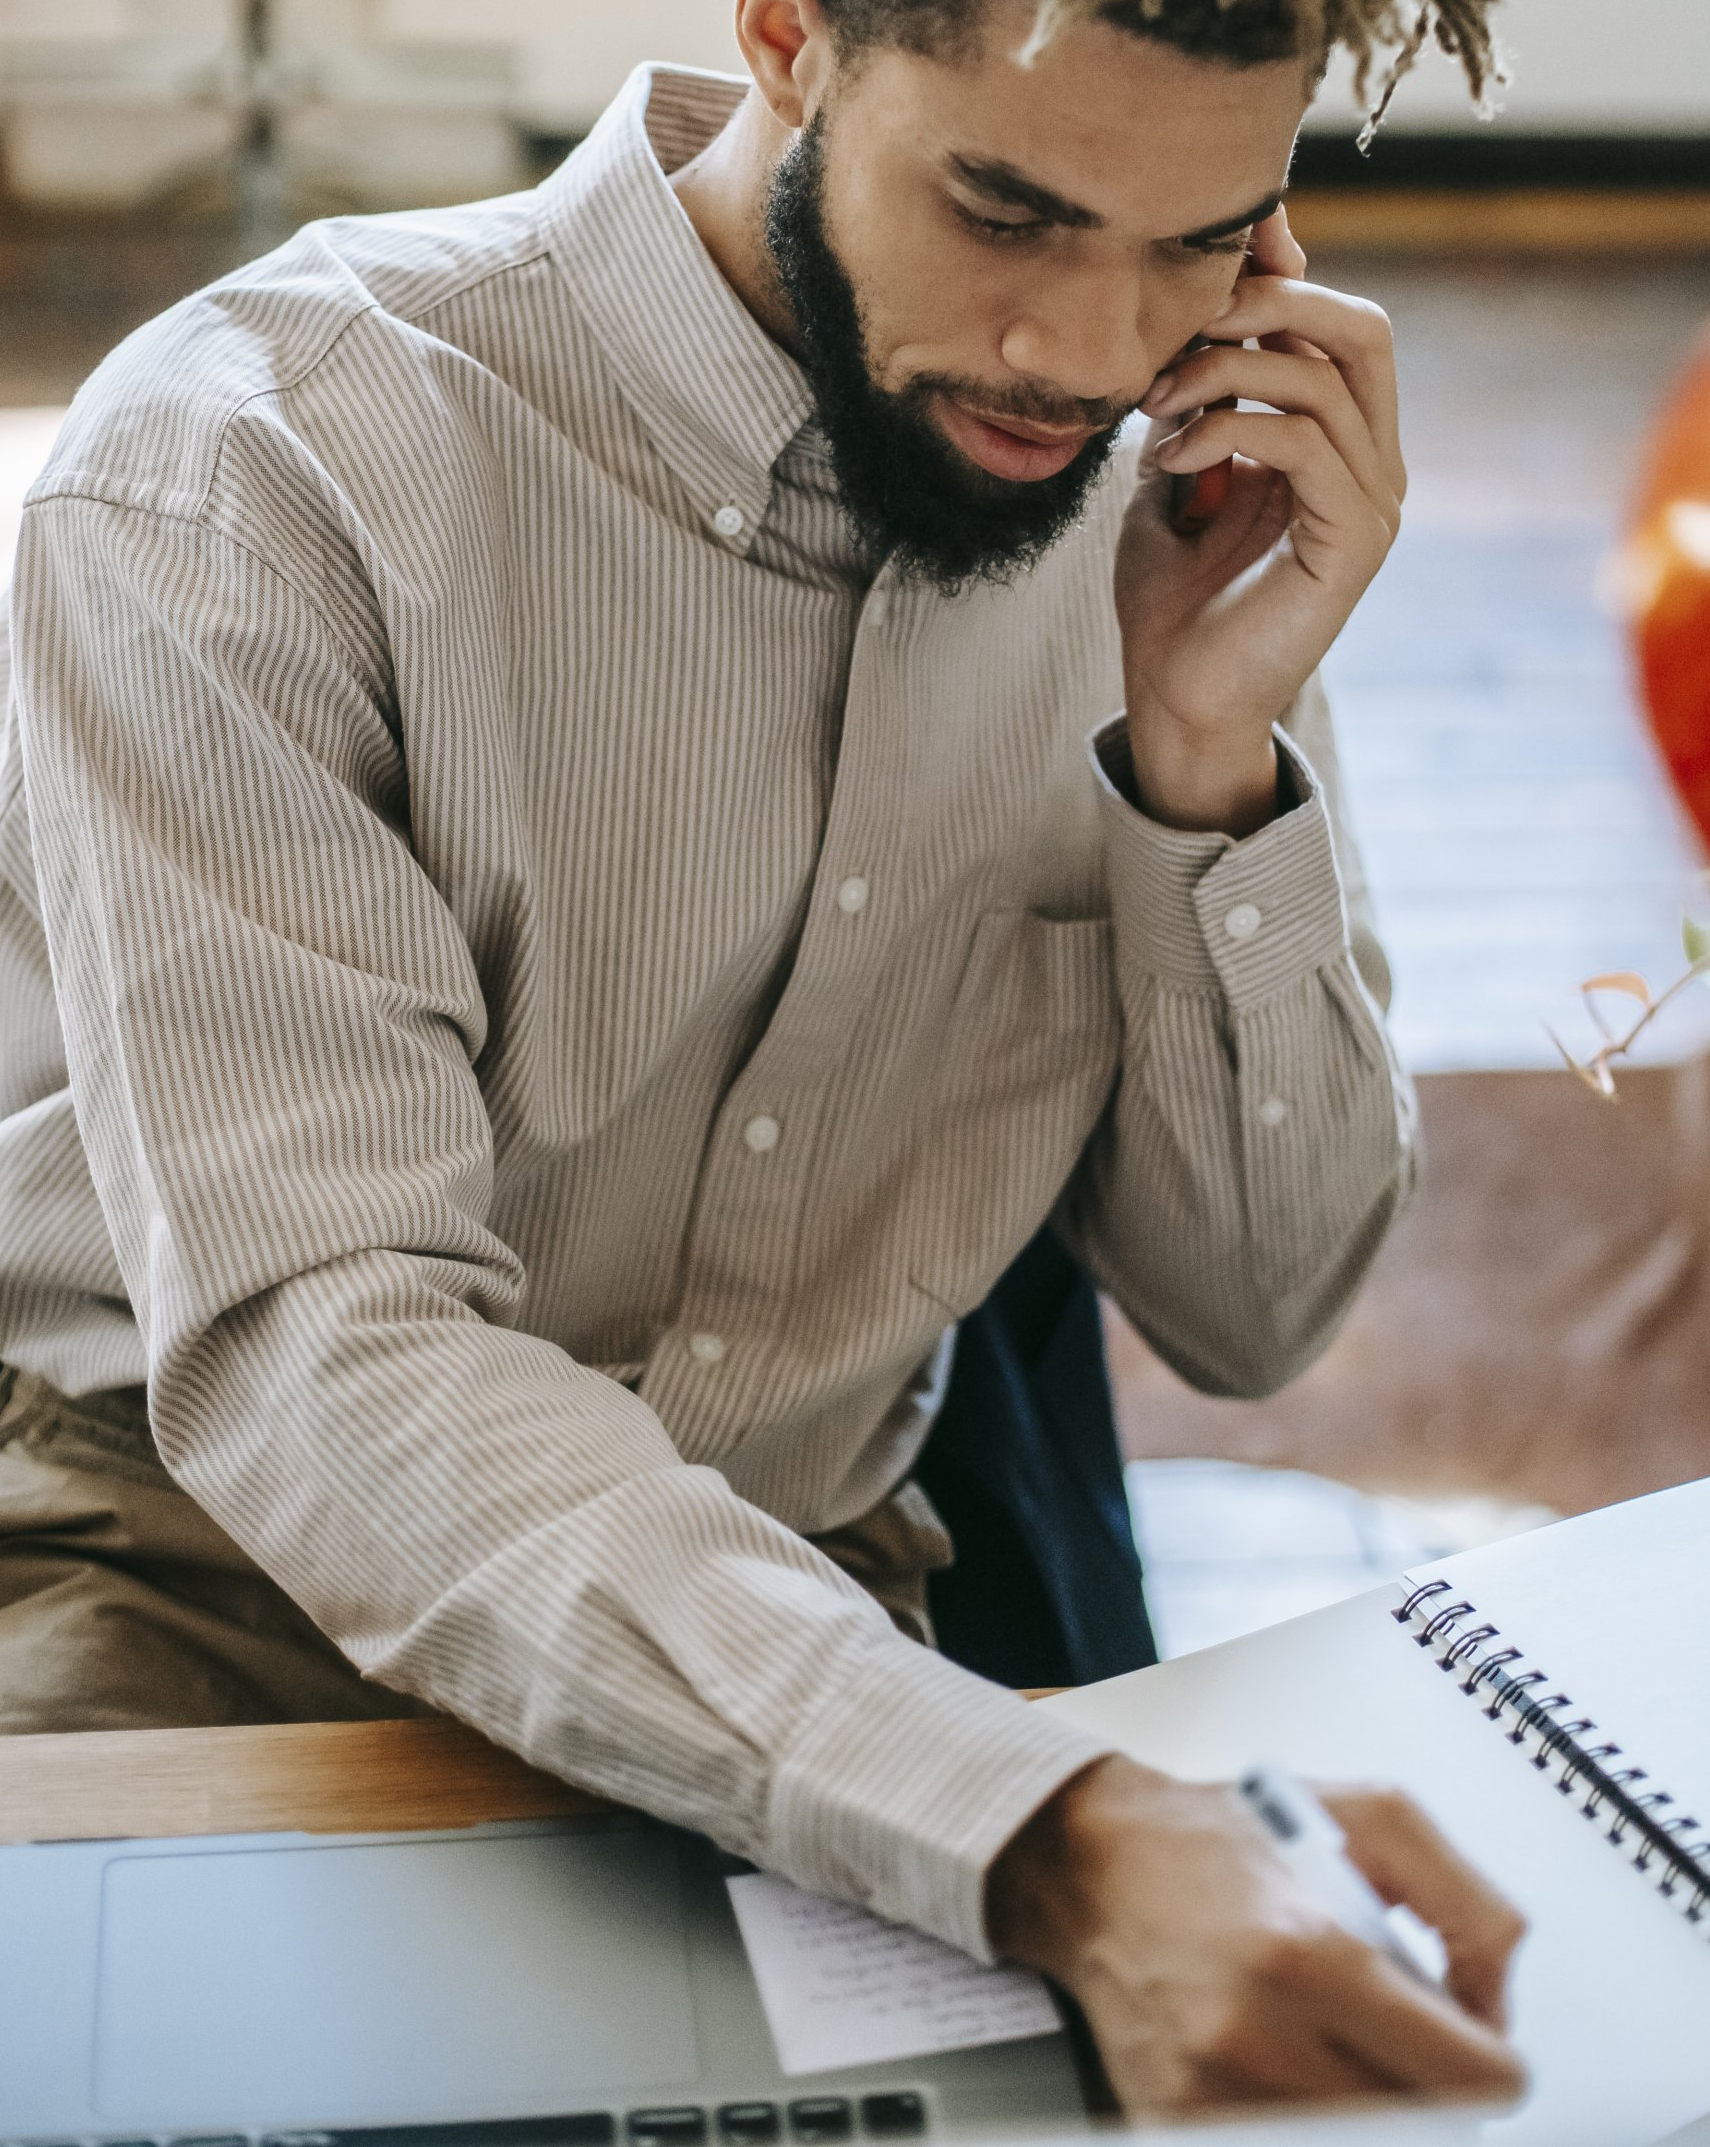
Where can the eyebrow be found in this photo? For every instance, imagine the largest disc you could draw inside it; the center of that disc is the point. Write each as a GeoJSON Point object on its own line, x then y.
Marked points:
{"type": "Point", "coordinates": [1001, 182]}
{"type": "Point", "coordinates": [1228, 228]}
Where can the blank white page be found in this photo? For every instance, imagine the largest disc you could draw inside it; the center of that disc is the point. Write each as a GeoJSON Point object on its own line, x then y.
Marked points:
{"type": "Point", "coordinates": [1615, 1606]}
{"type": "Point", "coordinates": [1612, 1993]}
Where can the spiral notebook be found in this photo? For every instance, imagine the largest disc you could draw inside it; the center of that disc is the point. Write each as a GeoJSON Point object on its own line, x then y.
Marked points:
{"type": "Point", "coordinates": [1587, 1647]}
{"type": "Point", "coordinates": [1548, 1700]}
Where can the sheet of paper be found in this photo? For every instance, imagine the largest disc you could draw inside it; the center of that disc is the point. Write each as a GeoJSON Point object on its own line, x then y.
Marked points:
{"type": "Point", "coordinates": [843, 1987]}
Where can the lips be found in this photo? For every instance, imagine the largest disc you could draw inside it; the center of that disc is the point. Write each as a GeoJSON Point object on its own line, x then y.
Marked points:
{"type": "Point", "coordinates": [1007, 447]}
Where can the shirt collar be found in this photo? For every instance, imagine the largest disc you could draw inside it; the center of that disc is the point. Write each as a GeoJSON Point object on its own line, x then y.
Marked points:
{"type": "Point", "coordinates": [719, 397]}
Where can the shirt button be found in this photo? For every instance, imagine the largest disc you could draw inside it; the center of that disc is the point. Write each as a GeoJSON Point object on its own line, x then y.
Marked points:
{"type": "Point", "coordinates": [1272, 1111]}
{"type": "Point", "coordinates": [729, 521]}
{"type": "Point", "coordinates": [1242, 921]}
{"type": "Point", "coordinates": [761, 1134]}
{"type": "Point", "coordinates": [852, 896]}
{"type": "Point", "coordinates": [707, 1348]}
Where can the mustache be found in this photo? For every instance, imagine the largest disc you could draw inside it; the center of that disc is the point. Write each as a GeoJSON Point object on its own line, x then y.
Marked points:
{"type": "Point", "coordinates": [1022, 399]}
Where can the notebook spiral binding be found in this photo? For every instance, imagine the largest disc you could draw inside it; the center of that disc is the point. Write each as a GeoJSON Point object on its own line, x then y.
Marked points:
{"type": "Point", "coordinates": [1669, 1846]}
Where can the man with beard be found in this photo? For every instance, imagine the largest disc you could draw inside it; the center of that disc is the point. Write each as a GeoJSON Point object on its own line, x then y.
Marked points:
{"type": "Point", "coordinates": [609, 799]}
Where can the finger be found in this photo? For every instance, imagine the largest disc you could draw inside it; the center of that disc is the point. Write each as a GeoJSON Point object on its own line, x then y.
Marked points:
{"type": "Point", "coordinates": [1276, 250]}
{"type": "Point", "coordinates": [1324, 487]}
{"type": "Point", "coordinates": [1407, 1858]}
{"type": "Point", "coordinates": [1411, 2034]}
{"type": "Point", "coordinates": [1311, 385]}
{"type": "Point", "coordinates": [1353, 334]}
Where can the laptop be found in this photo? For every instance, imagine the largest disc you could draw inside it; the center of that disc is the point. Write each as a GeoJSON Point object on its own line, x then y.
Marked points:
{"type": "Point", "coordinates": [569, 1983]}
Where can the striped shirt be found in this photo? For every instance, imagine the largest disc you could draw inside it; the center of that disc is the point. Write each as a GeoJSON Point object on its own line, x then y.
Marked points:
{"type": "Point", "coordinates": [537, 987]}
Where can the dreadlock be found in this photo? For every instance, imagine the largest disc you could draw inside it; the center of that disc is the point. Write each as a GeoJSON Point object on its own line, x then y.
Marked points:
{"type": "Point", "coordinates": [1366, 28]}
{"type": "Point", "coordinates": [1384, 37]}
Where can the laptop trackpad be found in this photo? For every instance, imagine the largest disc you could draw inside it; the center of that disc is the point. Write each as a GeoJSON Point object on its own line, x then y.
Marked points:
{"type": "Point", "coordinates": [324, 1984]}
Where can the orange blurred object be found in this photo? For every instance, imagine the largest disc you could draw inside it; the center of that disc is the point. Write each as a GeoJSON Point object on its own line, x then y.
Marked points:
{"type": "Point", "coordinates": [1665, 578]}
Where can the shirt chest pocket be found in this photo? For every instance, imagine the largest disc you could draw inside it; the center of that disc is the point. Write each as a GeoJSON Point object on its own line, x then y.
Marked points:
{"type": "Point", "coordinates": [1031, 1052]}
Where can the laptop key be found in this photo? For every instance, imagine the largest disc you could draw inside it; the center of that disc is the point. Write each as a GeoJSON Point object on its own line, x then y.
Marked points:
{"type": "Point", "coordinates": [749, 2124]}
{"type": "Point", "coordinates": [685, 2127]}
{"type": "Point", "coordinates": [822, 2117]}
{"type": "Point", "coordinates": [582, 2128]}
{"type": "Point", "coordinates": [894, 2117]}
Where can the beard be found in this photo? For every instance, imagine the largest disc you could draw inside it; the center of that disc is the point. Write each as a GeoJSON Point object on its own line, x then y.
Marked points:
{"type": "Point", "coordinates": [908, 492]}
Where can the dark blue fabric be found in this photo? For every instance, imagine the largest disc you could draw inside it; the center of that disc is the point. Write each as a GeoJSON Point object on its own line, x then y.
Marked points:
{"type": "Point", "coordinates": [1024, 1467]}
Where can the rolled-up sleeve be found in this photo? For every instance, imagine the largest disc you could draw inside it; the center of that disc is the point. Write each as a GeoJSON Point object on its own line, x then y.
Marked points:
{"type": "Point", "coordinates": [273, 1027]}
{"type": "Point", "coordinates": [1261, 1136]}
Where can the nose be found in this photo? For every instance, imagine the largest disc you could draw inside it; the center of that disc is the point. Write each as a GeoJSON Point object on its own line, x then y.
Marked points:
{"type": "Point", "coordinates": [1085, 335]}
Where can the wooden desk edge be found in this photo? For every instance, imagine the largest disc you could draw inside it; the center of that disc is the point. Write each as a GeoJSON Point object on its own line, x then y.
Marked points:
{"type": "Point", "coordinates": [314, 1777]}
{"type": "Point", "coordinates": [289, 1777]}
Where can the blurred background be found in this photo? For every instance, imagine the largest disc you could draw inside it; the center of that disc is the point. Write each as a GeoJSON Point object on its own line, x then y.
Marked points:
{"type": "Point", "coordinates": [1537, 1337]}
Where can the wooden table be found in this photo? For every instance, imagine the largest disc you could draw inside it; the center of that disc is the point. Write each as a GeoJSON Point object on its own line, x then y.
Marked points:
{"type": "Point", "coordinates": [321, 1777]}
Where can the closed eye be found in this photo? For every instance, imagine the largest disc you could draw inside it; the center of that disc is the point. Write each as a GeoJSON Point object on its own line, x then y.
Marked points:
{"type": "Point", "coordinates": [1239, 244]}
{"type": "Point", "coordinates": [1004, 229]}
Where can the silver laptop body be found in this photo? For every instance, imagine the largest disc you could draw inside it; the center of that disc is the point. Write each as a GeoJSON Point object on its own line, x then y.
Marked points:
{"type": "Point", "coordinates": [588, 1973]}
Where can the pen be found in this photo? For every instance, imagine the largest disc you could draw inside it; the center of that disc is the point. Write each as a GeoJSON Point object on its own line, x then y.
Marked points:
{"type": "Point", "coordinates": [1315, 1846]}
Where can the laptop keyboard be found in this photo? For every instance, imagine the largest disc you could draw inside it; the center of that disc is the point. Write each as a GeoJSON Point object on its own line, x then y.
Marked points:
{"type": "Point", "coordinates": [810, 2121]}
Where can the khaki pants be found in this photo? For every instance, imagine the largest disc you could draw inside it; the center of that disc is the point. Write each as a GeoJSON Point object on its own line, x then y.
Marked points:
{"type": "Point", "coordinates": [123, 1606]}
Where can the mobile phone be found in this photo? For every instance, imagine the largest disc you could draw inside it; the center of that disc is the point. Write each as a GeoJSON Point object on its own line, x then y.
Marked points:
{"type": "Point", "coordinates": [1196, 498]}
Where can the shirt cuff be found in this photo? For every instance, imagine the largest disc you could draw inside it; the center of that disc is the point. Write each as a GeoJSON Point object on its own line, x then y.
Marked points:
{"type": "Point", "coordinates": [1204, 912]}
{"type": "Point", "coordinates": [907, 1781]}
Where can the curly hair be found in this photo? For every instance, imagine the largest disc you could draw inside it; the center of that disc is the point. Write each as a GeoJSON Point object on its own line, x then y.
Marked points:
{"type": "Point", "coordinates": [1386, 35]}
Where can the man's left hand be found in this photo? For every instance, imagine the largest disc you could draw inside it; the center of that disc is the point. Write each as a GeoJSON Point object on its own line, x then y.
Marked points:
{"type": "Point", "coordinates": [1222, 629]}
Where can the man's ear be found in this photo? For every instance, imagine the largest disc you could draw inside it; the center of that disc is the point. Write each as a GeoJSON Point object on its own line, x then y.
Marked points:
{"type": "Point", "coordinates": [787, 44]}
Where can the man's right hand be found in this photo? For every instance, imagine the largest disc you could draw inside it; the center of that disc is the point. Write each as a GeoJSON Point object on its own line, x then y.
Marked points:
{"type": "Point", "coordinates": [1208, 1973]}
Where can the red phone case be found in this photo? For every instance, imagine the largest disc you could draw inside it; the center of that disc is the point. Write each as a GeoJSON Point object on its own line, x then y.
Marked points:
{"type": "Point", "coordinates": [1196, 500]}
